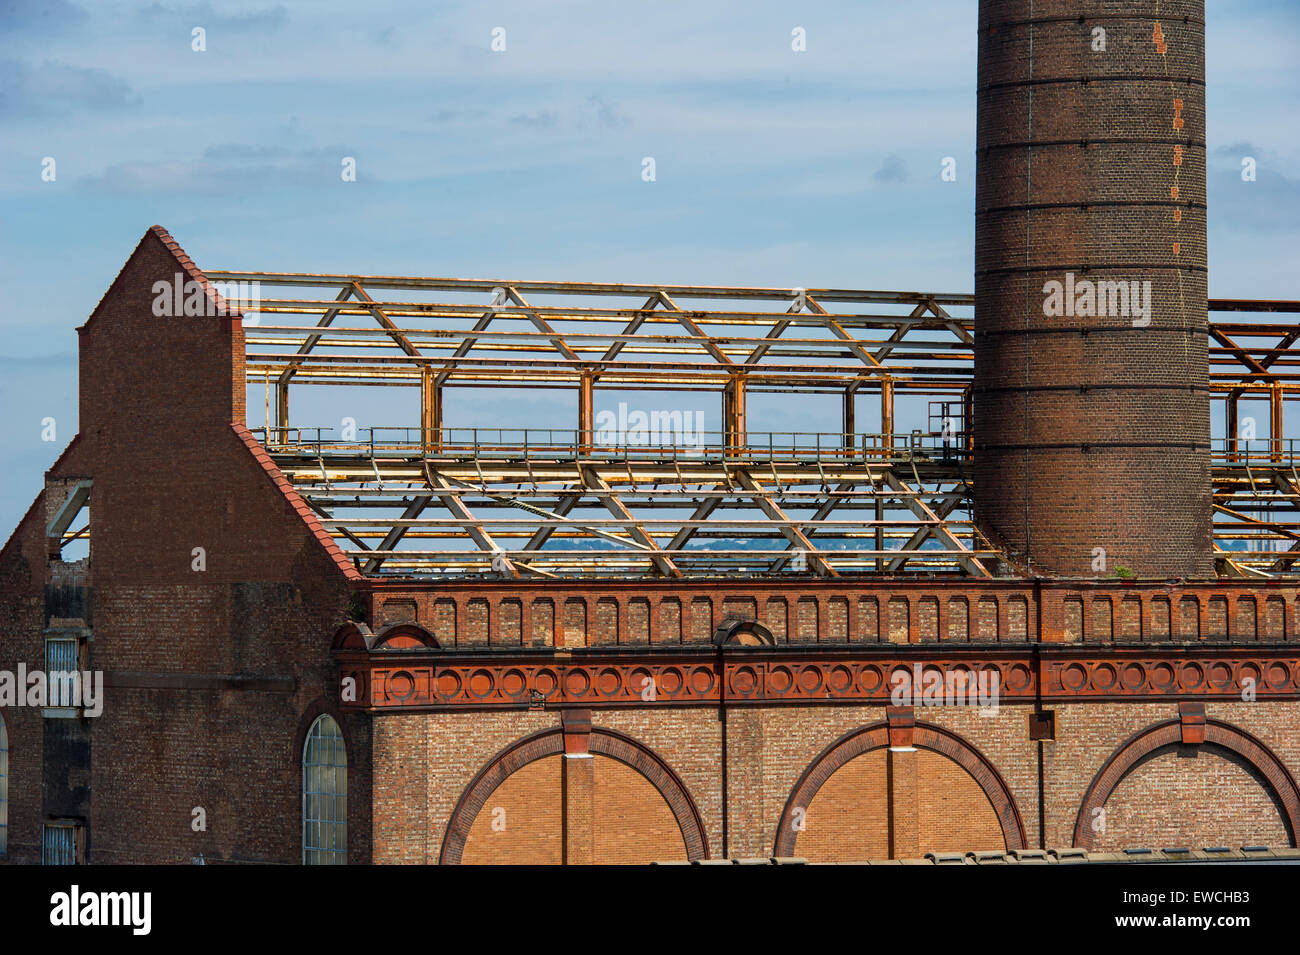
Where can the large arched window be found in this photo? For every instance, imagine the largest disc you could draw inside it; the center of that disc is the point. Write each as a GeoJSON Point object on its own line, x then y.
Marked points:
{"type": "Point", "coordinates": [324, 795]}
{"type": "Point", "coordinates": [4, 788]}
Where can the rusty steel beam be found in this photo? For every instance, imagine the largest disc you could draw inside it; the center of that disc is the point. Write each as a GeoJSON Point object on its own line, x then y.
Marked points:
{"type": "Point", "coordinates": [439, 333]}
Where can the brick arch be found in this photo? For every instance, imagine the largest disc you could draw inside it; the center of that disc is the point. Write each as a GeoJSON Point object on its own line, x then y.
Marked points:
{"type": "Point", "coordinates": [405, 636]}
{"type": "Point", "coordinates": [736, 631]}
{"type": "Point", "coordinates": [605, 742]}
{"type": "Point", "coordinates": [925, 736]}
{"type": "Point", "coordinates": [1168, 734]}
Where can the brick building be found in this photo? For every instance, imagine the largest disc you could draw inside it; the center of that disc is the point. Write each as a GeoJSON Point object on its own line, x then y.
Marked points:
{"type": "Point", "coordinates": [283, 683]}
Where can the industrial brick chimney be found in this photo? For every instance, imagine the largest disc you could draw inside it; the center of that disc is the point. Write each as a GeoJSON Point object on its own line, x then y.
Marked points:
{"type": "Point", "coordinates": [1091, 397]}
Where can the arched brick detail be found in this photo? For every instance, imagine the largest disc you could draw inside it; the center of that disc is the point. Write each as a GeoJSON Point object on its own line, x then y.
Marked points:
{"type": "Point", "coordinates": [645, 761]}
{"type": "Point", "coordinates": [1167, 734]}
{"type": "Point", "coordinates": [550, 742]}
{"type": "Point", "coordinates": [351, 636]}
{"type": "Point", "coordinates": [924, 736]}
{"type": "Point", "coordinates": [395, 636]}
{"type": "Point", "coordinates": [742, 632]}
{"type": "Point", "coordinates": [404, 636]}
{"type": "Point", "coordinates": [315, 710]}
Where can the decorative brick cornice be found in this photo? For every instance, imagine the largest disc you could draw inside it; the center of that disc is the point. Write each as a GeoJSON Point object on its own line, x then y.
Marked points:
{"type": "Point", "coordinates": [435, 680]}
{"type": "Point", "coordinates": [845, 611]}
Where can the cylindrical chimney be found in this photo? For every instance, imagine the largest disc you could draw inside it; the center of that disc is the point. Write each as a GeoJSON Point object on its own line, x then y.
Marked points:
{"type": "Point", "coordinates": [1091, 391]}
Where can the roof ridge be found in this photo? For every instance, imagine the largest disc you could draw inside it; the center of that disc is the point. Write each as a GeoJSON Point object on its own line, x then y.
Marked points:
{"type": "Point", "coordinates": [187, 265]}
{"type": "Point", "coordinates": [193, 271]}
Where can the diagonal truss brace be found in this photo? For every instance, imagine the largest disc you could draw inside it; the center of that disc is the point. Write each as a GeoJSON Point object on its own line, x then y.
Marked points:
{"type": "Point", "coordinates": [763, 498]}
{"type": "Point", "coordinates": [920, 509]}
{"type": "Point", "coordinates": [482, 538]}
{"type": "Point", "coordinates": [616, 507]}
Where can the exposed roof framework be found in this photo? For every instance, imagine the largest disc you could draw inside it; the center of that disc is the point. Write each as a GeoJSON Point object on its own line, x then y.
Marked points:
{"type": "Point", "coordinates": [667, 337]}
{"type": "Point", "coordinates": [658, 497]}
{"type": "Point", "coordinates": [569, 512]}
{"type": "Point", "coordinates": [1254, 476]}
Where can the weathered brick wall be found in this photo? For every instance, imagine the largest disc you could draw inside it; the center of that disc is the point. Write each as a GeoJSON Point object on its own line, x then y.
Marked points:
{"type": "Point", "coordinates": [631, 823]}
{"type": "Point", "coordinates": [668, 613]}
{"type": "Point", "coordinates": [22, 620]}
{"type": "Point", "coordinates": [1092, 431]}
{"type": "Point", "coordinates": [421, 765]}
{"type": "Point", "coordinates": [689, 740]}
{"type": "Point", "coordinates": [1086, 736]}
{"type": "Point", "coordinates": [849, 818]}
{"type": "Point", "coordinates": [1195, 784]}
{"type": "Point", "coordinates": [528, 821]}
{"type": "Point", "coordinates": [425, 762]}
{"type": "Point", "coordinates": [524, 821]}
{"type": "Point", "coordinates": [213, 673]}
{"type": "Point", "coordinates": [234, 753]}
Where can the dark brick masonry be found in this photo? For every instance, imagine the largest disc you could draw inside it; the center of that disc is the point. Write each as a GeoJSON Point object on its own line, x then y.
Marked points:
{"type": "Point", "coordinates": [1091, 432]}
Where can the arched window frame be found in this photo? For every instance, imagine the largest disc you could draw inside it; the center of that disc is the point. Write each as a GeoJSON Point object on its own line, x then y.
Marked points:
{"type": "Point", "coordinates": [324, 794]}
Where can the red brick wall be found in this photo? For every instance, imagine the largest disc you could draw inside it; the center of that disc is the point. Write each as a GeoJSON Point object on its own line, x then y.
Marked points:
{"type": "Point", "coordinates": [632, 824]}
{"type": "Point", "coordinates": [424, 762]}
{"type": "Point", "coordinates": [523, 821]}
{"type": "Point", "coordinates": [1087, 734]}
{"type": "Point", "coordinates": [620, 818]}
{"type": "Point", "coordinates": [850, 817]}
{"type": "Point", "coordinates": [598, 613]}
{"type": "Point", "coordinates": [1088, 431]}
{"type": "Point", "coordinates": [22, 619]}
{"type": "Point", "coordinates": [181, 726]}
{"type": "Point", "coordinates": [1178, 799]}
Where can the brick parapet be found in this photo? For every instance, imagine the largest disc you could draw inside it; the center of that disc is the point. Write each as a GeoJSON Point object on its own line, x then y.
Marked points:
{"type": "Point", "coordinates": [960, 610]}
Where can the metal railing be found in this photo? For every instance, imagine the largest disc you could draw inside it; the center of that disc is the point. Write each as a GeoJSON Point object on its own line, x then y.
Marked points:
{"type": "Point", "coordinates": [1253, 451]}
{"type": "Point", "coordinates": [550, 443]}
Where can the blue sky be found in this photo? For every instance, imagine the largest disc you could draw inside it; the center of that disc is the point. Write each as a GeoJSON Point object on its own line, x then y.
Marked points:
{"type": "Point", "coordinates": [777, 168]}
